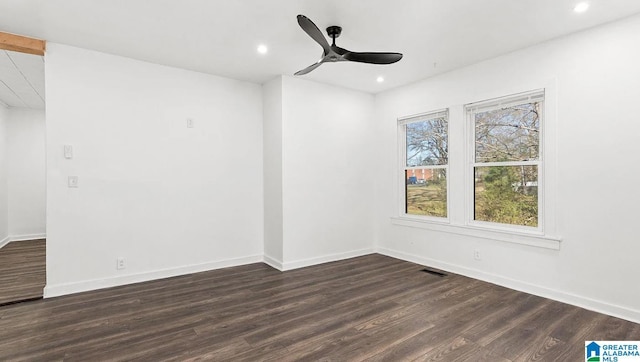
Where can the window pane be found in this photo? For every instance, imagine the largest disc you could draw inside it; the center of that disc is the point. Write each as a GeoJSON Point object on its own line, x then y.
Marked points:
{"type": "Point", "coordinates": [507, 194]}
{"type": "Point", "coordinates": [426, 192]}
{"type": "Point", "coordinates": [508, 134]}
{"type": "Point", "coordinates": [427, 142]}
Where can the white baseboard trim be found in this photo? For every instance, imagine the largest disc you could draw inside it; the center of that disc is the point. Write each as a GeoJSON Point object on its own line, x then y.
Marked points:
{"type": "Point", "coordinates": [325, 259]}
{"type": "Point", "coordinates": [577, 300]}
{"type": "Point", "coordinates": [272, 262]}
{"type": "Point", "coordinates": [5, 241]}
{"type": "Point", "coordinates": [24, 237]}
{"type": "Point", "coordinates": [12, 238]}
{"type": "Point", "coordinates": [56, 290]}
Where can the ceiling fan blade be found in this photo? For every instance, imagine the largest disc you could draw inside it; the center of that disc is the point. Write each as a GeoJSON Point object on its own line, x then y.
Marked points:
{"type": "Point", "coordinates": [309, 68]}
{"type": "Point", "coordinates": [310, 28]}
{"type": "Point", "coordinates": [373, 58]}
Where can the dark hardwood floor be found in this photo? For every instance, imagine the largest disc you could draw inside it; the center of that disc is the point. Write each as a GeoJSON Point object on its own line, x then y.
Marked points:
{"type": "Point", "coordinates": [372, 308]}
{"type": "Point", "coordinates": [22, 270]}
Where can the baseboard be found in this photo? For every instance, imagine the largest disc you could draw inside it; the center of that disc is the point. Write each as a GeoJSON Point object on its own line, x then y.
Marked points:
{"type": "Point", "coordinates": [56, 290]}
{"type": "Point", "coordinates": [5, 241]}
{"type": "Point", "coordinates": [325, 259]}
{"type": "Point", "coordinates": [24, 237]}
{"type": "Point", "coordinates": [272, 262]}
{"type": "Point", "coordinates": [577, 300]}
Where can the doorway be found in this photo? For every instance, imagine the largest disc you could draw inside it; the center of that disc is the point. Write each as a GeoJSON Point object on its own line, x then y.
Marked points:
{"type": "Point", "coordinates": [22, 177]}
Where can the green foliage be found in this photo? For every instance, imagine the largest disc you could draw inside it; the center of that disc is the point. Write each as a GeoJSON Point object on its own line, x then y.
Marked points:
{"type": "Point", "coordinates": [502, 196]}
{"type": "Point", "coordinates": [507, 194]}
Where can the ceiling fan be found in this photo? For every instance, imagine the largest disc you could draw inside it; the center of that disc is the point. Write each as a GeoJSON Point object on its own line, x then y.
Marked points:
{"type": "Point", "coordinates": [333, 53]}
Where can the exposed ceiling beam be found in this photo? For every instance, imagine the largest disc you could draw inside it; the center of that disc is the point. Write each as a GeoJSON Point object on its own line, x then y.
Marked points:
{"type": "Point", "coordinates": [22, 44]}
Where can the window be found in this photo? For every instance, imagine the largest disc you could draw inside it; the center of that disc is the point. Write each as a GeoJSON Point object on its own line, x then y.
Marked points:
{"type": "Point", "coordinates": [498, 182]}
{"type": "Point", "coordinates": [424, 149]}
{"type": "Point", "coordinates": [506, 160]}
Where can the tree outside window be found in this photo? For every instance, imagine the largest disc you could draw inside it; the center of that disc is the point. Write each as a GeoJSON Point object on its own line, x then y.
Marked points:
{"type": "Point", "coordinates": [506, 160]}
{"type": "Point", "coordinates": [425, 164]}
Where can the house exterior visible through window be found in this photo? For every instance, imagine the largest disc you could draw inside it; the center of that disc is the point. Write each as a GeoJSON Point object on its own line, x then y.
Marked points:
{"type": "Point", "coordinates": [424, 140]}
{"type": "Point", "coordinates": [506, 160]}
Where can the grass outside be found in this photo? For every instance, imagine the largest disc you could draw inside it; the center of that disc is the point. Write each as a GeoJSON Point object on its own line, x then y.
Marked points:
{"type": "Point", "coordinates": [430, 199]}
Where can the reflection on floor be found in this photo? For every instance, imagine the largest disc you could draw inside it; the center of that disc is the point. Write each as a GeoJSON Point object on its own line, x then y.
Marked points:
{"type": "Point", "coordinates": [22, 270]}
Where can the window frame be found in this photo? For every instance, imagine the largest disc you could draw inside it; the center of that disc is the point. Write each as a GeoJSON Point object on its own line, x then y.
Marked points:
{"type": "Point", "coordinates": [458, 173]}
{"type": "Point", "coordinates": [470, 109]}
{"type": "Point", "coordinates": [402, 142]}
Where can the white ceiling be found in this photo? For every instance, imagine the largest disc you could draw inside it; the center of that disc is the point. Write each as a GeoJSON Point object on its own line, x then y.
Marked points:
{"type": "Point", "coordinates": [220, 37]}
{"type": "Point", "coordinates": [21, 80]}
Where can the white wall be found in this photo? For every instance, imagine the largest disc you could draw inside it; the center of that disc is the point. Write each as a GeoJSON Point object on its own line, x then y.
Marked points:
{"type": "Point", "coordinates": [167, 198]}
{"type": "Point", "coordinates": [328, 170]}
{"type": "Point", "coordinates": [4, 199]}
{"type": "Point", "coordinates": [594, 76]}
{"type": "Point", "coordinates": [26, 173]}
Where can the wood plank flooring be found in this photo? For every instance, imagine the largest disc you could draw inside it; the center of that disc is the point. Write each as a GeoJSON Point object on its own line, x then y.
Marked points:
{"type": "Point", "coordinates": [372, 308]}
{"type": "Point", "coordinates": [22, 270]}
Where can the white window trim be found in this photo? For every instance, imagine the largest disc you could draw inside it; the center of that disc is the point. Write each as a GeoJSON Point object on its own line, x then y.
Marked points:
{"type": "Point", "coordinates": [402, 142]}
{"type": "Point", "coordinates": [457, 212]}
{"type": "Point", "coordinates": [489, 105]}
{"type": "Point", "coordinates": [506, 235]}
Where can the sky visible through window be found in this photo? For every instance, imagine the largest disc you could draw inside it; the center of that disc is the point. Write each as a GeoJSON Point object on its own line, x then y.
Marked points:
{"type": "Point", "coordinates": [427, 143]}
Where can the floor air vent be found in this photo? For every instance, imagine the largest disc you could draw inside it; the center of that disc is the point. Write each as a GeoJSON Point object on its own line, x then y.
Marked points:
{"type": "Point", "coordinates": [434, 272]}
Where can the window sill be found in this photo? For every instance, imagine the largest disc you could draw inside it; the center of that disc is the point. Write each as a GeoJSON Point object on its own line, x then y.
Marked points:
{"type": "Point", "coordinates": [537, 240]}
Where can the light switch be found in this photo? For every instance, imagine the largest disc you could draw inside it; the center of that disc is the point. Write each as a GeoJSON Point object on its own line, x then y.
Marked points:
{"type": "Point", "coordinates": [190, 123]}
{"type": "Point", "coordinates": [68, 152]}
{"type": "Point", "coordinates": [72, 181]}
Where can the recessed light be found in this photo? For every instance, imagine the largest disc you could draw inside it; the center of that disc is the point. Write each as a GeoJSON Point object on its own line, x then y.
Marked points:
{"type": "Point", "coordinates": [379, 79]}
{"type": "Point", "coordinates": [581, 7]}
{"type": "Point", "coordinates": [262, 49]}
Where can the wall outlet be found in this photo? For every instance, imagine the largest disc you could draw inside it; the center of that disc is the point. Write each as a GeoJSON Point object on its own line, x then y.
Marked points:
{"type": "Point", "coordinates": [72, 181]}
{"type": "Point", "coordinates": [120, 264]}
{"type": "Point", "coordinates": [476, 255]}
{"type": "Point", "coordinates": [190, 123]}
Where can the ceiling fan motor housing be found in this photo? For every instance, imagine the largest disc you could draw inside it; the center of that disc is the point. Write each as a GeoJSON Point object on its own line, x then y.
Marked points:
{"type": "Point", "coordinates": [334, 31]}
